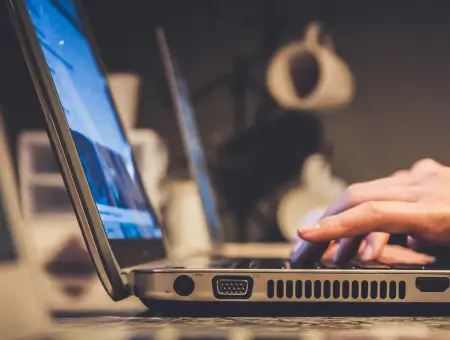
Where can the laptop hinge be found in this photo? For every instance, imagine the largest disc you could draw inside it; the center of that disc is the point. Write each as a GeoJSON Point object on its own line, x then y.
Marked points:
{"type": "Point", "coordinates": [127, 279]}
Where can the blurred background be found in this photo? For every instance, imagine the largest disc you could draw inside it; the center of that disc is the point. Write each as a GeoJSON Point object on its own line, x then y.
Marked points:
{"type": "Point", "coordinates": [273, 159]}
{"type": "Point", "coordinates": [397, 52]}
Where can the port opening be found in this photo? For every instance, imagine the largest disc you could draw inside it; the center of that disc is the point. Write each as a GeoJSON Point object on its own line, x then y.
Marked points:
{"type": "Point", "coordinates": [232, 287]}
{"type": "Point", "coordinates": [432, 284]}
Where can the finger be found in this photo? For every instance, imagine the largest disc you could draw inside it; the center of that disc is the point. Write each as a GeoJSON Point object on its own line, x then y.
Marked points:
{"type": "Point", "coordinates": [438, 250]}
{"type": "Point", "coordinates": [361, 193]}
{"type": "Point", "coordinates": [388, 217]}
{"type": "Point", "coordinates": [401, 177]}
{"type": "Point", "coordinates": [347, 250]}
{"type": "Point", "coordinates": [367, 250]}
{"type": "Point", "coordinates": [374, 246]}
{"type": "Point", "coordinates": [393, 254]}
{"type": "Point", "coordinates": [425, 166]}
{"type": "Point", "coordinates": [330, 252]}
{"type": "Point", "coordinates": [419, 245]}
{"type": "Point", "coordinates": [401, 173]}
{"type": "Point", "coordinates": [379, 187]}
{"type": "Point", "coordinates": [307, 254]}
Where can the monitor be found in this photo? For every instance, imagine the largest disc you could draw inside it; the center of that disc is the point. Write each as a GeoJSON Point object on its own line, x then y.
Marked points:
{"type": "Point", "coordinates": [104, 152]}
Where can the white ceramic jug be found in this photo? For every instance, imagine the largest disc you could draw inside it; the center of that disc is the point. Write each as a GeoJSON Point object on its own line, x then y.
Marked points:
{"type": "Point", "coordinates": [331, 83]}
{"type": "Point", "coordinates": [307, 202]}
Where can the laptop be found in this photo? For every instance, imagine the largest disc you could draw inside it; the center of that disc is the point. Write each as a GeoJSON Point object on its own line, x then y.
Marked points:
{"type": "Point", "coordinates": [191, 139]}
{"type": "Point", "coordinates": [120, 228]}
{"type": "Point", "coordinates": [195, 155]}
{"type": "Point", "coordinates": [24, 313]}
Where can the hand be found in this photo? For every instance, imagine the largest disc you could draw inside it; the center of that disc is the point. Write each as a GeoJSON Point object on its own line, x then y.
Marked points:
{"type": "Point", "coordinates": [414, 202]}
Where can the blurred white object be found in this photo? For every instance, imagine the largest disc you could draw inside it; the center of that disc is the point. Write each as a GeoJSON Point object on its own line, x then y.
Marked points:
{"type": "Point", "coordinates": [306, 203]}
{"type": "Point", "coordinates": [152, 158]}
{"type": "Point", "coordinates": [125, 92]}
{"type": "Point", "coordinates": [23, 310]}
{"type": "Point", "coordinates": [69, 278]}
{"type": "Point", "coordinates": [189, 237]}
{"type": "Point", "coordinates": [333, 87]}
{"type": "Point", "coordinates": [312, 216]}
{"type": "Point", "coordinates": [50, 218]}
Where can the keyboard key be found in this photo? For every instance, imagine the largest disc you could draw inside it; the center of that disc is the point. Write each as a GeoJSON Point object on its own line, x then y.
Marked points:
{"type": "Point", "coordinates": [326, 264]}
{"type": "Point", "coordinates": [269, 264]}
{"type": "Point", "coordinates": [247, 263]}
{"type": "Point", "coordinates": [242, 264]}
{"type": "Point", "coordinates": [371, 265]}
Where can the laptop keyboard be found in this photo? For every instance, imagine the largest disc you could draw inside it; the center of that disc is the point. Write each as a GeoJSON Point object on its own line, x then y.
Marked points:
{"type": "Point", "coordinates": [273, 263]}
{"type": "Point", "coordinates": [269, 263]}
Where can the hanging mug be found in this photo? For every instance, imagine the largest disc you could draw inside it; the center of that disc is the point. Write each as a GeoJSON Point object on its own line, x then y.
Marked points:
{"type": "Point", "coordinates": [308, 75]}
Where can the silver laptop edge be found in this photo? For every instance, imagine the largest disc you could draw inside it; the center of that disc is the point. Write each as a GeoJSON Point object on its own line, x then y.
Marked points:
{"type": "Point", "coordinates": [197, 285]}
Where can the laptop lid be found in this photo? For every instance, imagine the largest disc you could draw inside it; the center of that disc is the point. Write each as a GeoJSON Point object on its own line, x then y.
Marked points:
{"type": "Point", "coordinates": [118, 223]}
{"type": "Point", "coordinates": [191, 139]}
{"type": "Point", "coordinates": [22, 309]}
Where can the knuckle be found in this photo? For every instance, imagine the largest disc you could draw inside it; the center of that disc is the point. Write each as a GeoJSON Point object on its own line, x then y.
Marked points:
{"type": "Point", "coordinates": [438, 222]}
{"type": "Point", "coordinates": [429, 171]}
{"type": "Point", "coordinates": [426, 165]}
{"type": "Point", "coordinates": [432, 176]}
{"type": "Point", "coordinates": [332, 223]}
{"type": "Point", "coordinates": [352, 195]}
{"type": "Point", "coordinates": [374, 210]}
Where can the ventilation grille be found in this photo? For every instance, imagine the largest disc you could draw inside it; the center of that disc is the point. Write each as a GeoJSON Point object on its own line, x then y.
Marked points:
{"type": "Point", "coordinates": [318, 289]}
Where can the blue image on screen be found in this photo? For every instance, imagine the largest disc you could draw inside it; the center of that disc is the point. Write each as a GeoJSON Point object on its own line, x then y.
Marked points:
{"type": "Point", "coordinates": [104, 153]}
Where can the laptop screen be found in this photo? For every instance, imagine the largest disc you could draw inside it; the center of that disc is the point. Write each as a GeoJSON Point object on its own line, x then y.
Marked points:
{"type": "Point", "coordinates": [104, 152]}
{"type": "Point", "coordinates": [191, 138]}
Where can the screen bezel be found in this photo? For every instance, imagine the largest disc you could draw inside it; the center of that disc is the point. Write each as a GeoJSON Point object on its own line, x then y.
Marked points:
{"type": "Point", "coordinates": [109, 256]}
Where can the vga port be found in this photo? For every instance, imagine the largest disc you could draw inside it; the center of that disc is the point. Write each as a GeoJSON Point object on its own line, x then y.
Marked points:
{"type": "Point", "coordinates": [232, 287]}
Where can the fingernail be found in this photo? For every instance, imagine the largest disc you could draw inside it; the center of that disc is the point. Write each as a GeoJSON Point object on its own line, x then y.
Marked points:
{"type": "Point", "coordinates": [367, 254]}
{"type": "Point", "coordinates": [428, 259]}
{"type": "Point", "coordinates": [308, 229]}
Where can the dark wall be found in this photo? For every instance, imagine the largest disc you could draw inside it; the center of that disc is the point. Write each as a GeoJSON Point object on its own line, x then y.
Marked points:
{"type": "Point", "coordinates": [398, 50]}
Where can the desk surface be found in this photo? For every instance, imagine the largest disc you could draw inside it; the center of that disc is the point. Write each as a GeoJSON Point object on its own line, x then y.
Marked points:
{"type": "Point", "coordinates": [262, 328]}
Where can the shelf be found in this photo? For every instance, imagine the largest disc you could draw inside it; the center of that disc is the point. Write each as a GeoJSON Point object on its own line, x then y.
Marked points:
{"type": "Point", "coordinates": [46, 180]}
